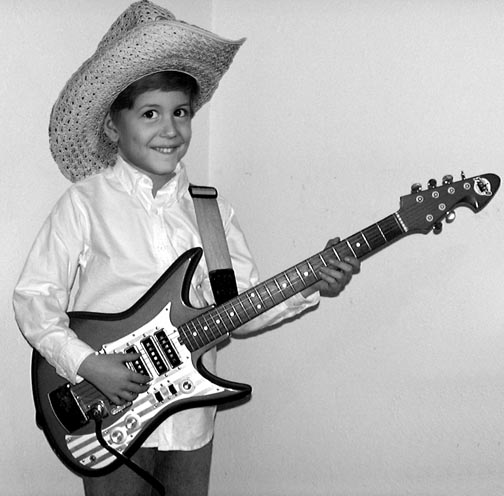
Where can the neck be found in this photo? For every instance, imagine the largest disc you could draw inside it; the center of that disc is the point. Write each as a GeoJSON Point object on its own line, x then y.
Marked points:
{"type": "Point", "coordinates": [158, 180]}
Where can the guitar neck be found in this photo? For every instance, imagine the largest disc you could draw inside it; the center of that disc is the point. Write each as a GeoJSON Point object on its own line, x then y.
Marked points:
{"type": "Point", "coordinates": [224, 319]}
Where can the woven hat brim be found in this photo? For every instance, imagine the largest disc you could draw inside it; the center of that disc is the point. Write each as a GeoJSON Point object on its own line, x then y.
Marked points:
{"type": "Point", "coordinates": [77, 141]}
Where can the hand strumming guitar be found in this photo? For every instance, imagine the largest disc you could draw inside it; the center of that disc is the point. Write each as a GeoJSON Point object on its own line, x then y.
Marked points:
{"type": "Point", "coordinates": [110, 375]}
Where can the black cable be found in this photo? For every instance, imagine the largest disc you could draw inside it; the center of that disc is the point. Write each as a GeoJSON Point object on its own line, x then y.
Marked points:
{"type": "Point", "coordinates": [96, 413]}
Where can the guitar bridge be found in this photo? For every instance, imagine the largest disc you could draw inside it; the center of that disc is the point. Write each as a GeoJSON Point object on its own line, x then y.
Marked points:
{"type": "Point", "coordinates": [67, 408]}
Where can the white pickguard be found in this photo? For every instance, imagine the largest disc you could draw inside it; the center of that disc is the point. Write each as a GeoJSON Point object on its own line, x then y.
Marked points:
{"type": "Point", "coordinates": [178, 384]}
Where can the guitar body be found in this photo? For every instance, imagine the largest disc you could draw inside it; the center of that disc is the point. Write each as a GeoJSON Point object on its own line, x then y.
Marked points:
{"type": "Point", "coordinates": [172, 336]}
{"type": "Point", "coordinates": [179, 379]}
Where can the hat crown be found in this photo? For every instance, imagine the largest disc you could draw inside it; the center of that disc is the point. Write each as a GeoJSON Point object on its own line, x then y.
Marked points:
{"type": "Point", "coordinates": [136, 14]}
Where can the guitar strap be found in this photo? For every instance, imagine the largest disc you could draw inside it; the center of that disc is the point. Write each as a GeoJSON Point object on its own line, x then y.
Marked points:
{"type": "Point", "coordinates": [215, 247]}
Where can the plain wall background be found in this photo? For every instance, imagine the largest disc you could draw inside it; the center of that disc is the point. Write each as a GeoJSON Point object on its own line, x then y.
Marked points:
{"type": "Point", "coordinates": [331, 110]}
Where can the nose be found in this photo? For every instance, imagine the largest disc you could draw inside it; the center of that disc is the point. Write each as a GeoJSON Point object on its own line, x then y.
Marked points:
{"type": "Point", "coordinates": [168, 129]}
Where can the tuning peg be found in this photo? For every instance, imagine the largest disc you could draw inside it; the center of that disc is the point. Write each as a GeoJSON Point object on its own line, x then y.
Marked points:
{"type": "Point", "coordinates": [450, 216]}
{"type": "Point", "coordinates": [437, 228]}
{"type": "Point", "coordinates": [432, 183]}
{"type": "Point", "coordinates": [415, 188]}
{"type": "Point", "coordinates": [447, 179]}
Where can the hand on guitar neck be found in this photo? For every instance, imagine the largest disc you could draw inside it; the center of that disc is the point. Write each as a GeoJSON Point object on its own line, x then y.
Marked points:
{"type": "Point", "coordinates": [334, 277]}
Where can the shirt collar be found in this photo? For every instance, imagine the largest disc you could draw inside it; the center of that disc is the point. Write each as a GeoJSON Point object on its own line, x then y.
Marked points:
{"type": "Point", "coordinates": [140, 185]}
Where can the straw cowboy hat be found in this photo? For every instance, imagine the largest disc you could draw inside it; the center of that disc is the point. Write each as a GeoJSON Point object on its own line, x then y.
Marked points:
{"type": "Point", "coordinates": [143, 40]}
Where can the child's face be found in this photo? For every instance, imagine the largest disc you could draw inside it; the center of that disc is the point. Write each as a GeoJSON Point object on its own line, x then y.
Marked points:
{"type": "Point", "coordinates": [154, 134]}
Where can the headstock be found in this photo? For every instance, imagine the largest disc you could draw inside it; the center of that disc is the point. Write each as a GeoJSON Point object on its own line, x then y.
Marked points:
{"type": "Point", "coordinates": [424, 210]}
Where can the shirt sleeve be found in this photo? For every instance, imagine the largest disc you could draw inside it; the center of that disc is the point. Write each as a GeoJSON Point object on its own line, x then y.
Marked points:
{"type": "Point", "coordinates": [42, 294]}
{"type": "Point", "coordinates": [247, 276]}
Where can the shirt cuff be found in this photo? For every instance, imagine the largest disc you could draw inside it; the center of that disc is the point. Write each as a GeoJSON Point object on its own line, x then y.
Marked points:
{"type": "Point", "coordinates": [298, 300]}
{"type": "Point", "coordinates": [72, 356]}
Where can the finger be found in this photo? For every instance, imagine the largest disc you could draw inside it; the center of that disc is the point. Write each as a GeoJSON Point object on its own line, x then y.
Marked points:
{"type": "Point", "coordinates": [355, 264]}
{"type": "Point", "coordinates": [116, 399]}
{"type": "Point", "coordinates": [131, 391]}
{"type": "Point", "coordinates": [126, 396]}
{"type": "Point", "coordinates": [137, 388]}
{"type": "Point", "coordinates": [130, 357]}
{"type": "Point", "coordinates": [337, 269]}
{"type": "Point", "coordinates": [333, 277]}
{"type": "Point", "coordinates": [138, 378]}
{"type": "Point", "coordinates": [347, 265]}
{"type": "Point", "coordinates": [333, 241]}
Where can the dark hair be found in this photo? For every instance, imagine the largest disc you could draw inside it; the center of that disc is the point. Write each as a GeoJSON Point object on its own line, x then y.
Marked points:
{"type": "Point", "coordinates": [164, 81]}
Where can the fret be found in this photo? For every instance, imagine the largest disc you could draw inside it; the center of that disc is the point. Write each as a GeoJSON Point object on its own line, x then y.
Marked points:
{"type": "Point", "coordinates": [230, 313]}
{"type": "Point", "coordinates": [269, 294]}
{"type": "Point", "coordinates": [351, 249]}
{"type": "Point", "coordinates": [258, 293]}
{"type": "Point", "coordinates": [390, 228]}
{"type": "Point", "coordinates": [197, 336]}
{"type": "Point", "coordinates": [235, 313]}
{"type": "Point", "coordinates": [335, 252]}
{"type": "Point", "coordinates": [280, 290]}
{"type": "Point", "coordinates": [359, 245]}
{"type": "Point", "coordinates": [265, 295]}
{"type": "Point", "coordinates": [381, 232]}
{"type": "Point", "coordinates": [296, 277]}
{"type": "Point", "coordinates": [218, 322]}
{"type": "Point", "coordinates": [314, 274]}
{"type": "Point", "coordinates": [343, 250]}
{"type": "Point", "coordinates": [250, 296]}
{"type": "Point", "coordinates": [366, 241]}
{"type": "Point", "coordinates": [322, 259]}
{"type": "Point", "coordinates": [374, 236]}
{"type": "Point", "coordinates": [191, 336]}
{"type": "Point", "coordinates": [303, 273]}
{"type": "Point", "coordinates": [285, 284]}
{"type": "Point", "coordinates": [291, 278]}
{"type": "Point", "coordinates": [204, 322]}
{"type": "Point", "coordinates": [240, 301]}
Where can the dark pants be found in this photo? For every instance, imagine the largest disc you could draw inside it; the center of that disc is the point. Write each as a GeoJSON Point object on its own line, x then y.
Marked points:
{"type": "Point", "coordinates": [182, 473]}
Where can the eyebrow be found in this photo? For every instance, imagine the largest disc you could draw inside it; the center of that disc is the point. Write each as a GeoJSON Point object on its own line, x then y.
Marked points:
{"type": "Point", "coordinates": [157, 105]}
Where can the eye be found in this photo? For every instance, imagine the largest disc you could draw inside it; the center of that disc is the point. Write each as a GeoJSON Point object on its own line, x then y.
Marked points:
{"type": "Point", "coordinates": [150, 114]}
{"type": "Point", "coordinates": [181, 112]}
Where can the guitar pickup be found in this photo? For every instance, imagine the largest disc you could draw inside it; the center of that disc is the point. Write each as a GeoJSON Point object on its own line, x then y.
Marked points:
{"type": "Point", "coordinates": [168, 349]}
{"type": "Point", "coordinates": [154, 355]}
{"type": "Point", "coordinates": [138, 365]}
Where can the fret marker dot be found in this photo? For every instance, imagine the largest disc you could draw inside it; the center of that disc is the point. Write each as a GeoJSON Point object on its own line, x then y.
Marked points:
{"type": "Point", "coordinates": [217, 321]}
{"type": "Point", "coordinates": [232, 314]}
{"type": "Point", "coordinates": [259, 306]}
{"type": "Point", "coordinates": [205, 328]}
{"type": "Point", "coordinates": [194, 333]}
{"type": "Point", "coordinates": [305, 274]}
{"type": "Point", "coordinates": [284, 285]}
{"type": "Point", "coordinates": [357, 245]}
{"type": "Point", "coordinates": [252, 295]}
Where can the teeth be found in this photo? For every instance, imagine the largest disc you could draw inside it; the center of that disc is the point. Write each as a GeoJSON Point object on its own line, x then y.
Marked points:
{"type": "Point", "coordinates": [165, 150]}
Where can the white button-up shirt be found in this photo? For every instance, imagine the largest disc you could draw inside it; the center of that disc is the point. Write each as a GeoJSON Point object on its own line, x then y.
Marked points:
{"type": "Point", "coordinates": [105, 243]}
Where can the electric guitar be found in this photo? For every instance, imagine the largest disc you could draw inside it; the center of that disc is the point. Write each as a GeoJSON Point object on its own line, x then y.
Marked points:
{"type": "Point", "coordinates": [172, 336]}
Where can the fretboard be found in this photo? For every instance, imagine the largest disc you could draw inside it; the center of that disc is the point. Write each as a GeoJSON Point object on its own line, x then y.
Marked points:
{"type": "Point", "coordinates": [224, 319]}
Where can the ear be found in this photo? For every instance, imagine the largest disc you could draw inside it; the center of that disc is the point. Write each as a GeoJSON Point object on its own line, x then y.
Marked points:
{"type": "Point", "coordinates": [110, 129]}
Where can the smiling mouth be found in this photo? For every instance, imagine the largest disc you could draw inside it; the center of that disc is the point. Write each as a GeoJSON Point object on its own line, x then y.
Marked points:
{"type": "Point", "coordinates": [165, 150]}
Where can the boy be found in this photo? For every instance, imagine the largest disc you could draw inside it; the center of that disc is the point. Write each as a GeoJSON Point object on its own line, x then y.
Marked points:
{"type": "Point", "coordinates": [119, 130]}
